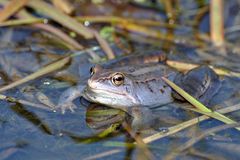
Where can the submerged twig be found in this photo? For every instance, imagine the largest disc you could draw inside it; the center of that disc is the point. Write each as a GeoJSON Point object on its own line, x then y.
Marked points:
{"type": "Point", "coordinates": [14, 100]}
{"type": "Point", "coordinates": [139, 141]}
{"type": "Point", "coordinates": [196, 139]}
{"type": "Point", "coordinates": [43, 71]}
{"type": "Point", "coordinates": [103, 154]}
{"type": "Point", "coordinates": [186, 124]}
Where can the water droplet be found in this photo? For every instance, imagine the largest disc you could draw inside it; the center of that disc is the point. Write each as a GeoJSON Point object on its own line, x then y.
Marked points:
{"type": "Point", "coordinates": [45, 21]}
{"type": "Point", "coordinates": [60, 134]}
{"type": "Point", "coordinates": [86, 23]}
{"type": "Point", "coordinates": [163, 129]}
{"type": "Point", "coordinates": [46, 83]}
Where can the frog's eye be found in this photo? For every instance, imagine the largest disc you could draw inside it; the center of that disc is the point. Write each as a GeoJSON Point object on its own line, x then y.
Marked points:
{"type": "Point", "coordinates": [92, 71]}
{"type": "Point", "coordinates": [118, 79]}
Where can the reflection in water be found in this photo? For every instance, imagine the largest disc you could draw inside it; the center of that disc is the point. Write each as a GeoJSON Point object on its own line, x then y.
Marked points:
{"type": "Point", "coordinates": [3, 78]}
{"type": "Point", "coordinates": [96, 137]}
{"type": "Point", "coordinates": [102, 117]}
{"type": "Point", "coordinates": [31, 117]}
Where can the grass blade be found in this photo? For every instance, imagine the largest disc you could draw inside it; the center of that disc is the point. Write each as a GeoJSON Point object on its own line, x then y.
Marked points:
{"type": "Point", "coordinates": [216, 21]}
{"type": "Point", "coordinates": [18, 22]}
{"type": "Point", "coordinates": [183, 66]}
{"type": "Point", "coordinates": [198, 104]}
{"type": "Point", "coordinates": [60, 17]}
{"type": "Point", "coordinates": [11, 8]}
{"type": "Point", "coordinates": [43, 71]}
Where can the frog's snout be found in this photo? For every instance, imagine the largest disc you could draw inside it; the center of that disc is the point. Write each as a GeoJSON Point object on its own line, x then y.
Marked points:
{"type": "Point", "coordinates": [92, 84]}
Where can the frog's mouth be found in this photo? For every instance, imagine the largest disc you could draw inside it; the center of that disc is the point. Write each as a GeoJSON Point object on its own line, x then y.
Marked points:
{"type": "Point", "coordinates": [94, 94]}
{"type": "Point", "coordinates": [108, 98]}
{"type": "Point", "coordinates": [89, 94]}
{"type": "Point", "coordinates": [101, 93]}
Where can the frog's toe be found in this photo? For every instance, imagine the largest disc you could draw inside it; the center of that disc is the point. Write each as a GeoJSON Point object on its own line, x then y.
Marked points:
{"type": "Point", "coordinates": [66, 106]}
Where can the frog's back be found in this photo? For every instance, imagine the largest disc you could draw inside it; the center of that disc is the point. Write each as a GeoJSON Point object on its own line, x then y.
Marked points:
{"type": "Point", "coordinates": [149, 88]}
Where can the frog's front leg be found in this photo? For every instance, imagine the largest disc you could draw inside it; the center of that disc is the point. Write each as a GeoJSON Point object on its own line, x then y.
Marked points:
{"type": "Point", "coordinates": [66, 98]}
{"type": "Point", "coordinates": [142, 118]}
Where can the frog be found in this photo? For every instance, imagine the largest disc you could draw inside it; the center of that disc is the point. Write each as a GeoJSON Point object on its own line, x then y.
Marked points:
{"type": "Point", "coordinates": [136, 88]}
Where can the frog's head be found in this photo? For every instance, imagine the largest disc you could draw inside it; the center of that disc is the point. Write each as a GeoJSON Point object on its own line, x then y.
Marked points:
{"type": "Point", "coordinates": [111, 87]}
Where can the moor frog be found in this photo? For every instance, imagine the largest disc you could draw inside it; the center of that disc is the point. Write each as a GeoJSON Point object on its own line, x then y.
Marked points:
{"type": "Point", "coordinates": [135, 88]}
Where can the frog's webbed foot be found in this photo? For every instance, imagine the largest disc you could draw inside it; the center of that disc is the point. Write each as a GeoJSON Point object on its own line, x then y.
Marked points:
{"type": "Point", "coordinates": [66, 99]}
{"type": "Point", "coordinates": [66, 106]}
